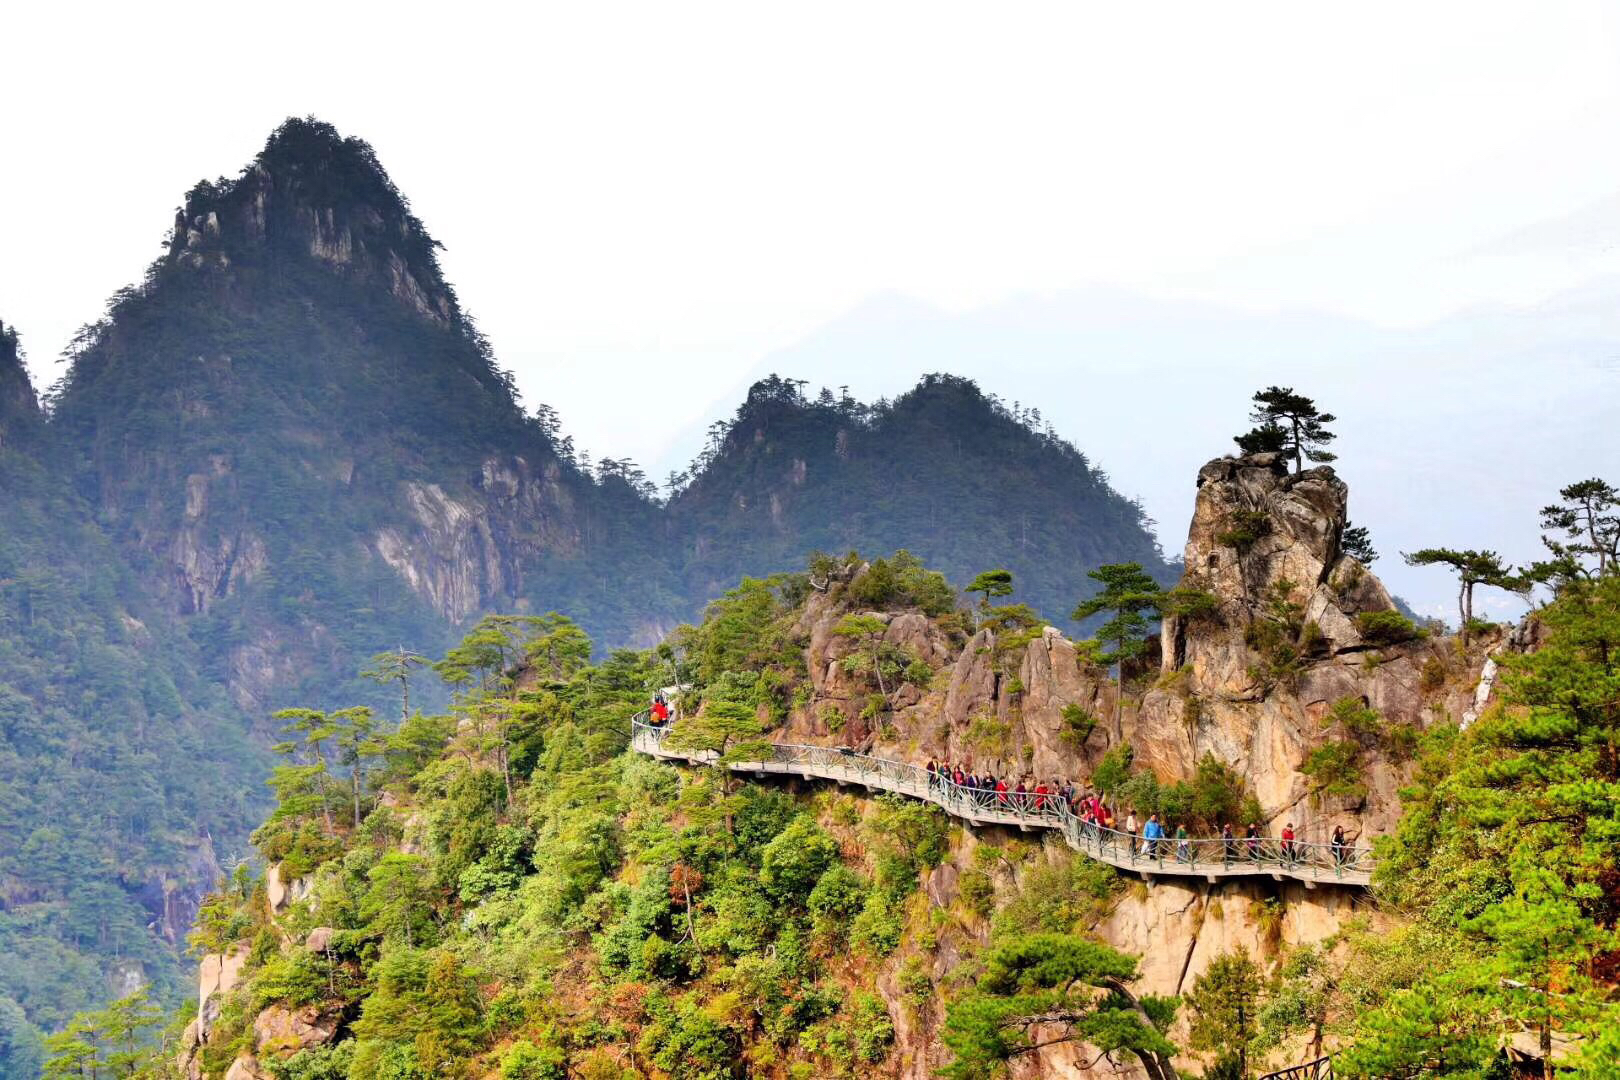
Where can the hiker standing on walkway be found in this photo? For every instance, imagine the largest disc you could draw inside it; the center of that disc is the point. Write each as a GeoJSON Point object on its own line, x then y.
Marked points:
{"type": "Point", "coordinates": [1130, 828]}
{"type": "Point", "coordinates": [1152, 833]}
{"type": "Point", "coordinates": [1183, 849]}
{"type": "Point", "coordinates": [1339, 846]}
{"type": "Point", "coordinates": [933, 774]}
{"type": "Point", "coordinates": [1254, 841]}
{"type": "Point", "coordinates": [1288, 842]}
{"type": "Point", "coordinates": [1228, 841]}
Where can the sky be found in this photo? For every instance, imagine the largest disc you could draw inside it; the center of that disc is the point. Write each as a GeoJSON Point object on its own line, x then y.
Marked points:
{"type": "Point", "coordinates": [646, 205]}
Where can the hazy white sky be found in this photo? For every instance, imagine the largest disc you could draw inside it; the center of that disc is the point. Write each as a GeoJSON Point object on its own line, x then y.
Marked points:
{"type": "Point", "coordinates": [642, 201]}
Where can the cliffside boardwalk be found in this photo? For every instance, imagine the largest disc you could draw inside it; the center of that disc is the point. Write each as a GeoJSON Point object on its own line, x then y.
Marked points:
{"type": "Point", "coordinates": [1211, 859]}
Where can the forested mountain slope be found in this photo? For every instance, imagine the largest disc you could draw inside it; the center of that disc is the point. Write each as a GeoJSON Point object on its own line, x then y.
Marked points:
{"type": "Point", "coordinates": [944, 471]}
{"type": "Point", "coordinates": [307, 447]}
{"type": "Point", "coordinates": [118, 757]}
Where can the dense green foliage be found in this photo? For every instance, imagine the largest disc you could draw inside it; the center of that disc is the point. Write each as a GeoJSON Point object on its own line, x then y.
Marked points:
{"type": "Point", "coordinates": [572, 902]}
{"type": "Point", "coordinates": [1510, 839]}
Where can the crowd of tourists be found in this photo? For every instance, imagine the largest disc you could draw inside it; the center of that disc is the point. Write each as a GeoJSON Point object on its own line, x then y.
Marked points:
{"type": "Point", "coordinates": [1099, 820]}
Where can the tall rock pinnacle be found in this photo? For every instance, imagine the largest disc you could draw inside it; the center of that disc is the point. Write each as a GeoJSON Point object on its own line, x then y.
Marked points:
{"type": "Point", "coordinates": [311, 192]}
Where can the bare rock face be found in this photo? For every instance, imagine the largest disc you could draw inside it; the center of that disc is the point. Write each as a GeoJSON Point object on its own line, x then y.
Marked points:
{"type": "Point", "coordinates": [285, 200]}
{"type": "Point", "coordinates": [996, 706]}
{"type": "Point", "coordinates": [247, 1067]}
{"type": "Point", "coordinates": [1261, 535]}
{"type": "Point", "coordinates": [217, 976]}
{"type": "Point", "coordinates": [282, 1032]}
{"type": "Point", "coordinates": [1258, 530]}
{"type": "Point", "coordinates": [283, 892]}
{"type": "Point", "coordinates": [464, 553]}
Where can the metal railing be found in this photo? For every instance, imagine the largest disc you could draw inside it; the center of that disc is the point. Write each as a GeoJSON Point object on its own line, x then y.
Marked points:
{"type": "Point", "coordinates": [1320, 1069]}
{"type": "Point", "coordinates": [1208, 857]}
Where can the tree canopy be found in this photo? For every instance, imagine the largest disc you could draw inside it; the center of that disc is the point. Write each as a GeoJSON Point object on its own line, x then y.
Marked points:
{"type": "Point", "coordinates": [1288, 423]}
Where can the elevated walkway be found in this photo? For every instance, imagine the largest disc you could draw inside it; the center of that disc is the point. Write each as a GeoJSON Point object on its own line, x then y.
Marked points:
{"type": "Point", "coordinates": [1212, 859]}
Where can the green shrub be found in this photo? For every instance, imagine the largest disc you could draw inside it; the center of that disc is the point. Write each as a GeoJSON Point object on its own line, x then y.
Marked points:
{"type": "Point", "coordinates": [1078, 724]}
{"type": "Point", "coordinates": [1386, 628]}
{"type": "Point", "coordinates": [879, 926]}
{"type": "Point", "coordinates": [838, 896]}
{"type": "Point", "coordinates": [791, 864]}
{"type": "Point", "coordinates": [525, 1061]}
{"type": "Point", "coordinates": [1336, 768]}
{"type": "Point", "coordinates": [1352, 715]}
{"type": "Point", "coordinates": [1113, 770]}
{"type": "Point", "coordinates": [872, 1028]}
{"type": "Point", "coordinates": [977, 891]}
{"type": "Point", "coordinates": [296, 977]}
{"type": "Point", "coordinates": [915, 982]}
{"type": "Point", "coordinates": [1244, 529]}
{"type": "Point", "coordinates": [314, 1063]}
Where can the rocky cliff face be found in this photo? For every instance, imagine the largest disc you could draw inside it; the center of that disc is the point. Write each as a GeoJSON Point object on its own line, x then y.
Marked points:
{"type": "Point", "coordinates": [291, 418]}
{"type": "Point", "coordinates": [1177, 929]}
{"type": "Point", "coordinates": [1254, 683]}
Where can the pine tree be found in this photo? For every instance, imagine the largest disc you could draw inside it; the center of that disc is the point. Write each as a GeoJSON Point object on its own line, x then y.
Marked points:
{"type": "Point", "coordinates": [991, 583]}
{"type": "Point", "coordinates": [1061, 981]}
{"type": "Point", "coordinates": [1472, 568]}
{"type": "Point", "coordinates": [1132, 595]}
{"type": "Point", "coordinates": [396, 667]}
{"type": "Point", "coordinates": [1288, 423]}
{"type": "Point", "coordinates": [1588, 520]}
{"type": "Point", "coordinates": [729, 731]}
{"type": "Point", "coordinates": [1225, 1004]}
{"type": "Point", "coordinates": [1356, 542]}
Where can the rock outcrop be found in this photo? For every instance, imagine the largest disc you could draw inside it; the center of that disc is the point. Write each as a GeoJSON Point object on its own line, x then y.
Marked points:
{"type": "Point", "coordinates": [1259, 534]}
{"type": "Point", "coordinates": [993, 701]}
{"type": "Point", "coordinates": [1253, 682]}
{"type": "Point", "coordinates": [465, 555]}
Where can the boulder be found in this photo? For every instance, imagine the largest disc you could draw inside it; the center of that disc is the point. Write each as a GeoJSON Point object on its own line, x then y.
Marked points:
{"type": "Point", "coordinates": [319, 939]}
{"type": "Point", "coordinates": [282, 1031]}
{"type": "Point", "coordinates": [283, 892]}
{"type": "Point", "coordinates": [246, 1067]}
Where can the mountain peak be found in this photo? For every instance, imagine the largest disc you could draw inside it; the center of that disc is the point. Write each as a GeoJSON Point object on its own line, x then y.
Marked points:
{"type": "Point", "coordinates": [314, 194]}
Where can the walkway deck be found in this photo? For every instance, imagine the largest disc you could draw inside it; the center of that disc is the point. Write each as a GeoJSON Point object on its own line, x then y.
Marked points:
{"type": "Point", "coordinates": [1211, 859]}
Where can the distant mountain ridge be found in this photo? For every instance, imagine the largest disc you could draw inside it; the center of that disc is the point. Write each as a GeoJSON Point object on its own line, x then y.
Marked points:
{"type": "Point", "coordinates": [292, 414]}
{"type": "Point", "coordinates": [945, 470]}
{"type": "Point", "coordinates": [289, 448]}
